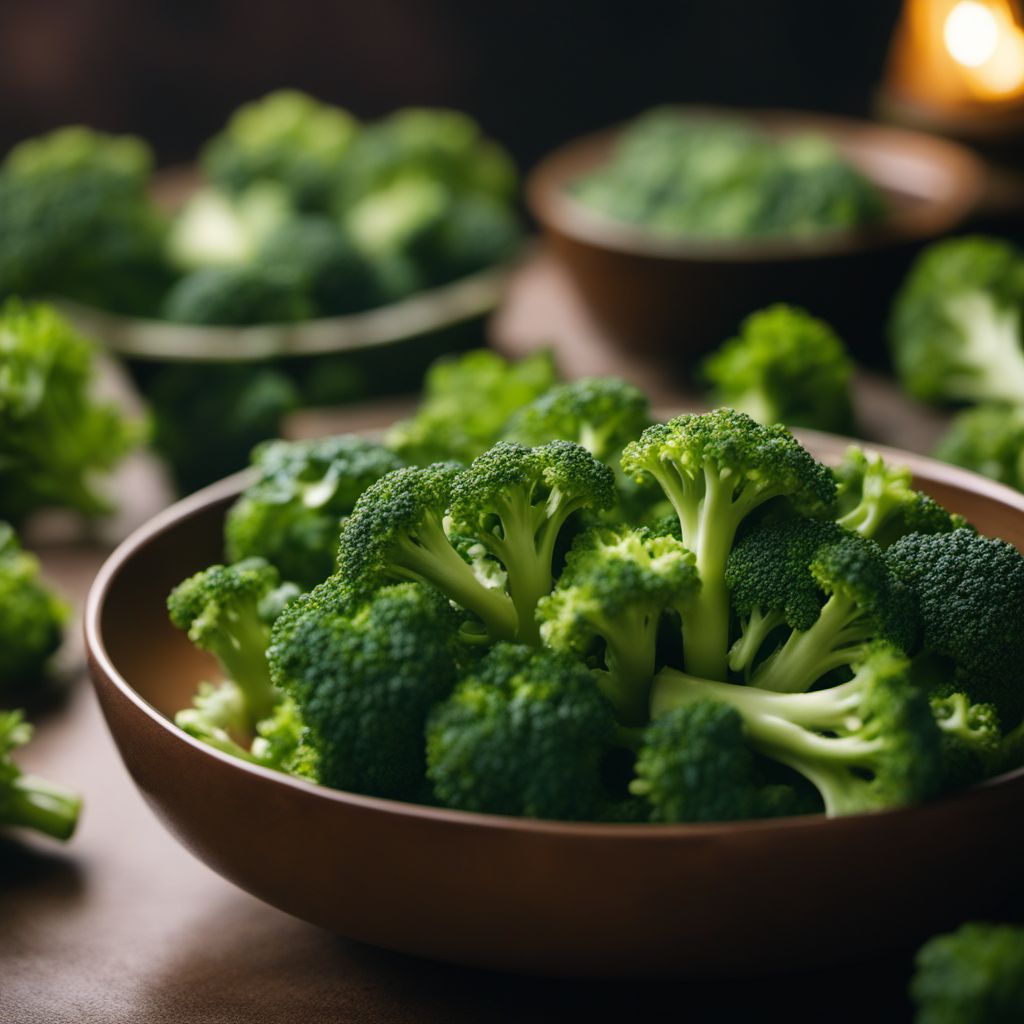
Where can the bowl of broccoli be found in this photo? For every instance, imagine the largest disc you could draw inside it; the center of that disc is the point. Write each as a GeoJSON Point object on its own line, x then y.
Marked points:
{"type": "Point", "coordinates": [680, 222]}
{"type": "Point", "coordinates": [572, 692]}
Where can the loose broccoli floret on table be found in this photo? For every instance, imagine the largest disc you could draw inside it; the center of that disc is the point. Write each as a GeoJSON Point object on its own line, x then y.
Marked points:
{"type": "Point", "coordinates": [866, 744]}
{"type": "Point", "coordinates": [524, 734]}
{"type": "Point", "coordinates": [988, 439]}
{"type": "Point", "coordinates": [608, 605]}
{"type": "Point", "coordinates": [55, 437]}
{"type": "Point", "coordinates": [974, 975]}
{"type": "Point", "coordinates": [236, 297]}
{"type": "Point", "coordinates": [956, 327]}
{"type": "Point", "coordinates": [716, 469]}
{"type": "Point", "coordinates": [32, 617]}
{"type": "Point", "coordinates": [28, 801]}
{"type": "Point", "coordinates": [785, 366]}
{"type": "Point", "coordinates": [291, 515]}
{"type": "Point", "coordinates": [364, 678]}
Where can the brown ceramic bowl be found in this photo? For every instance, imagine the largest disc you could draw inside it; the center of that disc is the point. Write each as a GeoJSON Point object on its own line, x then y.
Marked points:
{"type": "Point", "coordinates": [541, 897]}
{"type": "Point", "coordinates": [680, 296]}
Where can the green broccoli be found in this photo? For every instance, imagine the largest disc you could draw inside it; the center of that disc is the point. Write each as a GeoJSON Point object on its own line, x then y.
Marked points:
{"type": "Point", "coordinates": [237, 296]}
{"type": "Point", "coordinates": [988, 439]}
{"type": "Point", "coordinates": [831, 588]}
{"type": "Point", "coordinates": [970, 590]}
{"type": "Point", "coordinates": [364, 678]}
{"type": "Point", "coordinates": [286, 137]}
{"type": "Point", "coordinates": [866, 744]}
{"type": "Point", "coordinates": [716, 469]}
{"type": "Point", "coordinates": [515, 500]}
{"type": "Point", "coordinates": [608, 605]}
{"type": "Point", "coordinates": [877, 499]}
{"type": "Point", "coordinates": [28, 801]}
{"type": "Point", "coordinates": [54, 436]}
{"type": "Point", "coordinates": [973, 746]}
{"type": "Point", "coordinates": [31, 616]}
{"type": "Point", "coordinates": [785, 366]}
{"type": "Point", "coordinates": [391, 220]}
{"type": "Point", "coordinates": [956, 323]}
{"type": "Point", "coordinates": [974, 975]}
{"type": "Point", "coordinates": [75, 148]}
{"type": "Point", "coordinates": [524, 734]}
{"type": "Point", "coordinates": [291, 514]}
{"type": "Point", "coordinates": [466, 402]}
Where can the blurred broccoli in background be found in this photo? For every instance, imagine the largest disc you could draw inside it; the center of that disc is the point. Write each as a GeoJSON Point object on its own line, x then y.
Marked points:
{"type": "Point", "coordinates": [726, 178]}
{"type": "Point", "coordinates": [988, 439]}
{"type": "Point", "coordinates": [32, 617]}
{"type": "Point", "coordinates": [785, 366]}
{"type": "Point", "coordinates": [55, 437]}
{"type": "Point", "coordinates": [287, 137]}
{"type": "Point", "coordinates": [237, 296]}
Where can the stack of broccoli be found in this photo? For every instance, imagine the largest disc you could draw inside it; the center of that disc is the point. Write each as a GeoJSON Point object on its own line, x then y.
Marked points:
{"type": "Point", "coordinates": [957, 333]}
{"type": "Point", "coordinates": [723, 178]}
{"type": "Point", "coordinates": [520, 629]}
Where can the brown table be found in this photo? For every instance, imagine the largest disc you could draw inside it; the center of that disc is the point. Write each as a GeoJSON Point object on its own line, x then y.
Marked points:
{"type": "Point", "coordinates": [123, 925]}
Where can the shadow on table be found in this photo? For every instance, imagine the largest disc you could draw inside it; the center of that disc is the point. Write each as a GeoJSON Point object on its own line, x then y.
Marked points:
{"type": "Point", "coordinates": [25, 866]}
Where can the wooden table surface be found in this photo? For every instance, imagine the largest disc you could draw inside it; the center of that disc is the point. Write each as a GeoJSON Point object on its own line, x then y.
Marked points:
{"type": "Point", "coordinates": [124, 925]}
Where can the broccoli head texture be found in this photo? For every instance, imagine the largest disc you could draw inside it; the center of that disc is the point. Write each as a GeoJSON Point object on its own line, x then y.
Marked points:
{"type": "Point", "coordinates": [785, 366]}
{"type": "Point", "coordinates": [972, 740]}
{"type": "Point", "coordinates": [524, 734]}
{"type": "Point", "coordinates": [988, 439]}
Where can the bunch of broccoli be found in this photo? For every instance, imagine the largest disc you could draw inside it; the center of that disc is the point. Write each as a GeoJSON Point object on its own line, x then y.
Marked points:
{"type": "Point", "coordinates": [724, 178]}
{"type": "Point", "coordinates": [957, 334]}
{"type": "Point", "coordinates": [790, 639]}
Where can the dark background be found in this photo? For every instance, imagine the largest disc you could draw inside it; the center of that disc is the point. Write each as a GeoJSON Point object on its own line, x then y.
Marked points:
{"type": "Point", "coordinates": [533, 73]}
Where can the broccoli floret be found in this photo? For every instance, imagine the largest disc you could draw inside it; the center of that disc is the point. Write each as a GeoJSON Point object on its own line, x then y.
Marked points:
{"type": "Point", "coordinates": [974, 975]}
{"type": "Point", "coordinates": [608, 604]}
{"type": "Point", "coordinates": [695, 765]}
{"type": "Point", "coordinates": [237, 296]}
{"type": "Point", "coordinates": [866, 744]}
{"type": "Point", "coordinates": [785, 366]}
{"type": "Point", "coordinates": [515, 501]}
{"type": "Point", "coordinates": [524, 734]}
{"type": "Point", "coordinates": [716, 469]}
{"type": "Point", "coordinates": [333, 272]}
{"type": "Point", "coordinates": [832, 588]}
{"type": "Point", "coordinates": [465, 405]}
{"type": "Point", "coordinates": [877, 500]}
{"type": "Point", "coordinates": [28, 801]}
{"type": "Point", "coordinates": [988, 439]}
{"type": "Point", "coordinates": [227, 610]}
{"type": "Point", "coordinates": [54, 436]}
{"type": "Point", "coordinates": [31, 616]}
{"type": "Point", "coordinates": [392, 220]}
{"type": "Point", "coordinates": [286, 137]}
{"type": "Point", "coordinates": [364, 677]}
{"type": "Point", "coordinates": [972, 741]}
{"type": "Point", "coordinates": [956, 323]}
{"type": "Point", "coordinates": [397, 532]}
{"type": "Point", "coordinates": [291, 515]}
{"type": "Point", "coordinates": [970, 590]}
{"type": "Point", "coordinates": [75, 148]}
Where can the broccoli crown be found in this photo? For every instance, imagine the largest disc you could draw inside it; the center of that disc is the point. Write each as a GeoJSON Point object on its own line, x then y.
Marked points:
{"type": "Point", "coordinates": [988, 439]}
{"type": "Point", "coordinates": [865, 744]}
{"type": "Point", "coordinates": [227, 610]}
{"type": "Point", "coordinates": [877, 500]}
{"type": "Point", "coordinates": [975, 974]}
{"type": "Point", "coordinates": [972, 740]}
{"type": "Point", "coordinates": [291, 515]}
{"type": "Point", "coordinates": [523, 735]}
{"type": "Point", "coordinates": [124, 159]}
{"type": "Point", "coordinates": [785, 366]}
{"type": "Point", "coordinates": [28, 801]}
{"type": "Point", "coordinates": [364, 677]}
{"type": "Point", "coordinates": [970, 590]}
{"type": "Point", "coordinates": [601, 413]}
{"type": "Point", "coordinates": [287, 137]}
{"type": "Point", "coordinates": [31, 616]}
{"type": "Point", "coordinates": [54, 436]}
{"type": "Point", "coordinates": [956, 322]}
{"type": "Point", "coordinates": [237, 296]}
{"type": "Point", "coordinates": [466, 403]}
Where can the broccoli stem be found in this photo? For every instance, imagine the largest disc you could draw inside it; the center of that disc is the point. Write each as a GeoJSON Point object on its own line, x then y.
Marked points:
{"type": "Point", "coordinates": [755, 629]}
{"type": "Point", "coordinates": [993, 365]}
{"type": "Point", "coordinates": [808, 654]}
{"type": "Point", "coordinates": [33, 802]}
{"type": "Point", "coordinates": [629, 656]}
{"type": "Point", "coordinates": [242, 653]}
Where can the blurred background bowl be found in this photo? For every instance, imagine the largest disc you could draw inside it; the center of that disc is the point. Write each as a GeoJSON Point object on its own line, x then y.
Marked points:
{"type": "Point", "coordinates": [678, 296]}
{"type": "Point", "coordinates": [531, 896]}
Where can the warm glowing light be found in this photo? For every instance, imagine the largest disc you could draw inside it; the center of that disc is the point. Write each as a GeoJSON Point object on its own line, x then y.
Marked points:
{"type": "Point", "coordinates": [971, 34]}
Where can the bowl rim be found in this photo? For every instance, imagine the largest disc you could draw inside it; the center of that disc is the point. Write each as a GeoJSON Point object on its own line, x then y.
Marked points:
{"type": "Point", "coordinates": [198, 503]}
{"type": "Point", "coordinates": [555, 208]}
